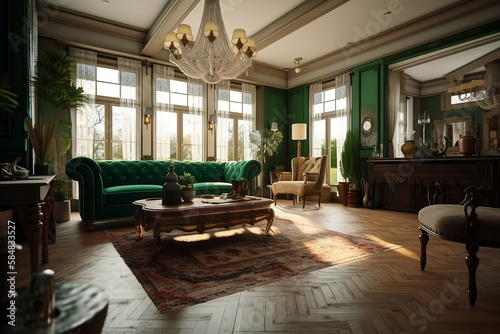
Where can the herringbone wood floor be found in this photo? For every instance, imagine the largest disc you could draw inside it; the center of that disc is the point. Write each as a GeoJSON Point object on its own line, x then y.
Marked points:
{"type": "Point", "coordinates": [383, 293]}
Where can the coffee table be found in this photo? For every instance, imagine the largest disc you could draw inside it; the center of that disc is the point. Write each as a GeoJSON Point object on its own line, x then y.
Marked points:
{"type": "Point", "coordinates": [200, 215]}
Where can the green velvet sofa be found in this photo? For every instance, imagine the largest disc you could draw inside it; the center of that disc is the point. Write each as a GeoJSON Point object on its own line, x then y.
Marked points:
{"type": "Point", "coordinates": [107, 189]}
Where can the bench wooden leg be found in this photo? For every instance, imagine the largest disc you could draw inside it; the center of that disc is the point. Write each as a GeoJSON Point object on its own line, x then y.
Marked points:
{"type": "Point", "coordinates": [424, 239]}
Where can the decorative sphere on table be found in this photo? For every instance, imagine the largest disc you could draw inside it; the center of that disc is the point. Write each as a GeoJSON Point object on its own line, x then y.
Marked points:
{"type": "Point", "coordinates": [171, 189]}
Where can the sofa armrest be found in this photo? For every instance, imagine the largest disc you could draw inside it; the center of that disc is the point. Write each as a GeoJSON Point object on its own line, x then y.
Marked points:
{"type": "Point", "coordinates": [90, 186]}
{"type": "Point", "coordinates": [247, 169]}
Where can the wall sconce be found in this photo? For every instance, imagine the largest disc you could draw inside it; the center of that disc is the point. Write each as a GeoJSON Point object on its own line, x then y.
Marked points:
{"type": "Point", "coordinates": [211, 123]}
{"type": "Point", "coordinates": [299, 132]}
{"type": "Point", "coordinates": [274, 126]}
{"type": "Point", "coordinates": [148, 113]}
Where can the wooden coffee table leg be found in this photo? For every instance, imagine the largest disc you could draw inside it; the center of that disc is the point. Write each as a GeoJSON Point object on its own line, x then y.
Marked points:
{"type": "Point", "coordinates": [156, 236]}
{"type": "Point", "coordinates": [139, 225]}
{"type": "Point", "coordinates": [270, 220]}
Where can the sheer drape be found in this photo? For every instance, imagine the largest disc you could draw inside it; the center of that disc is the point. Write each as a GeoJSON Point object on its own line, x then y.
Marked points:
{"type": "Point", "coordinates": [82, 119]}
{"type": "Point", "coordinates": [164, 131]}
{"type": "Point", "coordinates": [316, 124]}
{"type": "Point", "coordinates": [394, 105]}
{"type": "Point", "coordinates": [192, 136]}
{"type": "Point", "coordinates": [130, 97]}
{"type": "Point", "coordinates": [195, 96]}
{"type": "Point", "coordinates": [343, 90]}
{"type": "Point", "coordinates": [249, 92]}
{"type": "Point", "coordinates": [224, 123]}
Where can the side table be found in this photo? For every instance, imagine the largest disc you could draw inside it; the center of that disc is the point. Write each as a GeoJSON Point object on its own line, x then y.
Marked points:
{"type": "Point", "coordinates": [25, 197]}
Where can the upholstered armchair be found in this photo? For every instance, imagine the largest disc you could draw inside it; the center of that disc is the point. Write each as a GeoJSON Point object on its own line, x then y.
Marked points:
{"type": "Point", "coordinates": [307, 178]}
{"type": "Point", "coordinates": [470, 222]}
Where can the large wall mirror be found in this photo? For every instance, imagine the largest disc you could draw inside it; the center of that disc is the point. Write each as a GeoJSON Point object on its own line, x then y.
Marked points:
{"type": "Point", "coordinates": [453, 128]}
{"type": "Point", "coordinates": [491, 132]}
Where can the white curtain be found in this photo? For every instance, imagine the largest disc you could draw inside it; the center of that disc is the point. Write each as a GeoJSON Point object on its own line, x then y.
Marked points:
{"type": "Point", "coordinates": [344, 80]}
{"type": "Point", "coordinates": [394, 105]}
{"type": "Point", "coordinates": [82, 119]}
{"type": "Point", "coordinates": [249, 93]}
{"type": "Point", "coordinates": [130, 97]}
{"type": "Point", "coordinates": [195, 95]}
{"type": "Point", "coordinates": [164, 111]}
{"type": "Point", "coordinates": [224, 123]}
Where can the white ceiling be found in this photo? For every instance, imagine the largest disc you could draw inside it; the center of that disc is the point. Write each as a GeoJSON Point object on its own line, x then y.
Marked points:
{"type": "Point", "coordinates": [309, 35]}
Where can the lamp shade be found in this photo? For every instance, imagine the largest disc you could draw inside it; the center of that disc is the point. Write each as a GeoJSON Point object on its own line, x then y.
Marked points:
{"type": "Point", "coordinates": [274, 126]}
{"type": "Point", "coordinates": [299, 131]}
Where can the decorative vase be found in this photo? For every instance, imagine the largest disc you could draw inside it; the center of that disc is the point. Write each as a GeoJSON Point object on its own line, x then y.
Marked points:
{"type": "Point", "coordinates": [188, 194]}
{"type": "Point", "coordinates": [468, 145]}
{"type": "Point", "coordinates": [171, 189]}
{"type": "Point", "coordinates": [409, 148]}
{"type": "Point", "coordinates": [367, 197]}
{"type": "Point", "coordinates": [342, 189]}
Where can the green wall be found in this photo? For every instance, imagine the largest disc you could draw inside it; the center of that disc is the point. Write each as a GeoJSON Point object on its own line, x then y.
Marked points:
{"type": "Point", "coordinates": [15, 72]}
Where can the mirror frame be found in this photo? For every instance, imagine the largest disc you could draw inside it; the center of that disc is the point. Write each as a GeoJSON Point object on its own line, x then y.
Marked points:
{"type": "Point", "coordinates": [438, 131]}
{"type": "Point", "coordinates": [486, 144]}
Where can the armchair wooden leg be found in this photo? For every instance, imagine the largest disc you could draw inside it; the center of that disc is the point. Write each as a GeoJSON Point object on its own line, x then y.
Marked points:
{"type": "Point", "coordinates": [275, 198]}
{"type": "Point", "coordinates": [472, 262]}
{"type": "Point", "coordinates": [424, 239]}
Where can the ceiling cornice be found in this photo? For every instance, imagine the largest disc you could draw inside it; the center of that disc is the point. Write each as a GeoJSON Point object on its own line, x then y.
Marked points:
{"type": "Point", "coordinates": [301, 15]}
{"type": "Point", "coordinates": [457, 75]}
{"type": "Point", "coordinates": [88, 22]}
{"type": "Point", "coordinates": [451, 13]}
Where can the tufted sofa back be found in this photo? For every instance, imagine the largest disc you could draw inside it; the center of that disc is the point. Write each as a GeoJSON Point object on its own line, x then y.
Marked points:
{"type": "Point", "coordinates": [116, 173]}
{"type": "Point", "coordinates": [105, 174]}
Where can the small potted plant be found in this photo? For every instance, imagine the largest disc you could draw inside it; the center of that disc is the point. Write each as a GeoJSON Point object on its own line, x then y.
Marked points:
{"type": "Point", "coordinates": [62, 202]}
{"type": "Point", "coordinates": [187, 192]}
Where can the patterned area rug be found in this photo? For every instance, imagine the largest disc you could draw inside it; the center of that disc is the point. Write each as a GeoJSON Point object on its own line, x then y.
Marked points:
{"type": "Point", "coordinates": [195, 268]}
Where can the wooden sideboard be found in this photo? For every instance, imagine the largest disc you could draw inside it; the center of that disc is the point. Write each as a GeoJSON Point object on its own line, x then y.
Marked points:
{"type": "Point", "coordinates": [409, 184]}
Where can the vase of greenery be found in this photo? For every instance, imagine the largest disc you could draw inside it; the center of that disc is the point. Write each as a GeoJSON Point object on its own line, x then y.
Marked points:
{"type": "Point", "coordinates": [187, 192]}
{"type": "Point", "coordinates": [350, 167]}
{"type": "Point", "coordinates": [57, 93]}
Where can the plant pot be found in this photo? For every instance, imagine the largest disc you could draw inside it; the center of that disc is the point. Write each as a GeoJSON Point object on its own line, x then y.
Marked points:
{"type": "Point", "coordinates": [342, 188]}
{"type": "Point", "coordinates": [42, 170]}
{"type": "Point", "coordinates": [188, 195]}
{"type": "Point", "coordinates": [354, 197]}
{"type": "Point", "coordinates": [62, 211]}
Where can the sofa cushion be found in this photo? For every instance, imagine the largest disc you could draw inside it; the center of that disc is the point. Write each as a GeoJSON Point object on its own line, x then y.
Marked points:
{"type": "Point", "coordinates": [125, 195]}
{"type": "Point", "coordinates": [215, 188]}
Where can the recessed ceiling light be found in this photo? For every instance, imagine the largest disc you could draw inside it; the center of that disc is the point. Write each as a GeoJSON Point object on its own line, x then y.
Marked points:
{"type": "Point", "coordinates": [388, 13]}
{"type": "Point", "coordinates": [105, 1]}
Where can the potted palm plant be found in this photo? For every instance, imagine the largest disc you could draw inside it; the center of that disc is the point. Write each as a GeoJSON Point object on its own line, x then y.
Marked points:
{"type": "Point", "coordinates": [350, 167]}
{"type": "Point", "coordinates": [57, 93]}
{"type": "Point", "coordinates": [187, 192]}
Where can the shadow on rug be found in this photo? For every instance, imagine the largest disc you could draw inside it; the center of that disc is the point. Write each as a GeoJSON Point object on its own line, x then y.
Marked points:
{"type": "Point", "coordinates": [195, 268]}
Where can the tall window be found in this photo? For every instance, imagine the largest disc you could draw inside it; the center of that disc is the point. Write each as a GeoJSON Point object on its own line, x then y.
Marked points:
{"type": "Point", "coordinates": [235, 121]}
{"type": "Point", "coordinates": [107, 128]}
{"type": "Point", "coordinates": [330, 121]}
{"type": "Point", "coordinates": [178, 117]}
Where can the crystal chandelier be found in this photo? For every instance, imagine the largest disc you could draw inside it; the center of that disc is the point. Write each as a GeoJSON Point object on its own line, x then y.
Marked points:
{"type": "Point", "coordinates": [212, 57]}
{"type": "Point", "coordinates": [489, 98]}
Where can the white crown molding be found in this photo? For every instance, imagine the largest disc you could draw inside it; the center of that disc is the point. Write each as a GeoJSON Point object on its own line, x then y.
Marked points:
{"type": "Point", "coordinates": [87, 22]}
